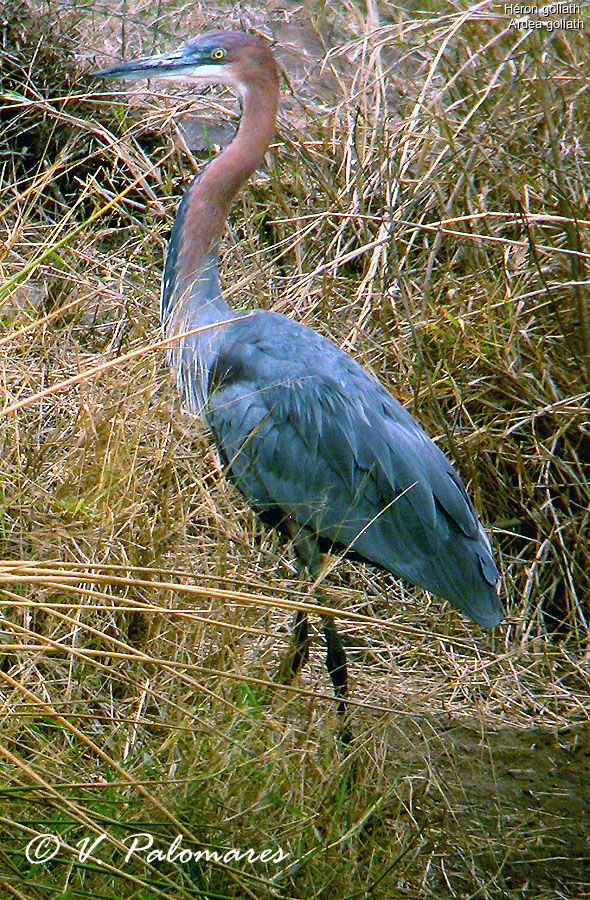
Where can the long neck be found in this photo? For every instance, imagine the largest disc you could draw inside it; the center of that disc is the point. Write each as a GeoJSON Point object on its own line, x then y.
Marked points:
{"type": "Point", "coordinates": [191, 271]}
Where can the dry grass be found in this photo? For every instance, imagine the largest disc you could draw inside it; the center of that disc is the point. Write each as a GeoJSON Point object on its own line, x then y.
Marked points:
{"type": "Point", "coordinates": [426, 205]}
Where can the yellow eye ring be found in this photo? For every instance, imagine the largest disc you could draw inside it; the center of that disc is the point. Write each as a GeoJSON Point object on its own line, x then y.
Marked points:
{"type": "Point", "coordinates": [218, 53]}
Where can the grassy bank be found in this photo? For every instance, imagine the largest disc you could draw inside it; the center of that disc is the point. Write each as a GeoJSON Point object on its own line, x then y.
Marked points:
{"type": "Point", "coordinates": [425, 204]}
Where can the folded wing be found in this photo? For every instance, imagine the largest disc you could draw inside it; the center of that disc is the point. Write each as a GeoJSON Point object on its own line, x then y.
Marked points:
{"type": "Point", "coordinates": [308, 434]}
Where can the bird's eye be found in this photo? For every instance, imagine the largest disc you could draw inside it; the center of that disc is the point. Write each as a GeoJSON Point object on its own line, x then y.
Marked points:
{"type": "Point", "coordinates": [218, 53]}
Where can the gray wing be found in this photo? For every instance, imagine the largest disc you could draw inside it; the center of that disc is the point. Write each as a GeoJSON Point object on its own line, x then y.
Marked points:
{"type": "Point", "coordinates": [308, 433]}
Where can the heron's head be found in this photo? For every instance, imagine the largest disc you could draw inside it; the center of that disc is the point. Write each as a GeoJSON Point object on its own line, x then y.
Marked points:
{"type": "Point", "coordinates": [234, 58]}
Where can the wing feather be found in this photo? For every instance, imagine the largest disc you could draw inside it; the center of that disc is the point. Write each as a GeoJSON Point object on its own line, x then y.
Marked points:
{"type": "Point", "coordinates": [307, 432]}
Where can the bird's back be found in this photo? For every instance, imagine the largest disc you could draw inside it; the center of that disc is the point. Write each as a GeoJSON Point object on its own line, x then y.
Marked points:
{"type": "Point", "coordinates": [309, 436]}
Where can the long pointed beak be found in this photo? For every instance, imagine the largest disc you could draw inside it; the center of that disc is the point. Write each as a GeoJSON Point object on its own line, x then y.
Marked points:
{"type": "Point", "coordinates": [173, 64]}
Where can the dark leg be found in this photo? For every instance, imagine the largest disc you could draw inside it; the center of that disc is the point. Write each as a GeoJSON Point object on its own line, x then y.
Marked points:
{"type": "Point", "coordinates": [308, 560]}
{"type": "Point", "coordinates": [336, 661]}
{"type": "Point", "coordinates": [309, 563]}
{"type": "Point", "coordinates": [298, 653]}
{"type": "Point", "coordinates": [338, 672]}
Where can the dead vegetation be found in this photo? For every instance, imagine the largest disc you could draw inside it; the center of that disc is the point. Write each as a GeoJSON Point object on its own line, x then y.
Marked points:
{"type": "Point", "coordinates": [426, 205]}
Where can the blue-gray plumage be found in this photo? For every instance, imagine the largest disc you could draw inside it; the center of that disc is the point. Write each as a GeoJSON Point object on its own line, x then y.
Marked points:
{"type": "Point", "coordinates": [309, 437]}
{"type": "Point", "coordinates": [307, 433]}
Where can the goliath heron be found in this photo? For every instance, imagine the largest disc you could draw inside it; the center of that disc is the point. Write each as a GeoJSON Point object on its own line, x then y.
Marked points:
{"type": "Point", "coordinates": [314, 442]}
